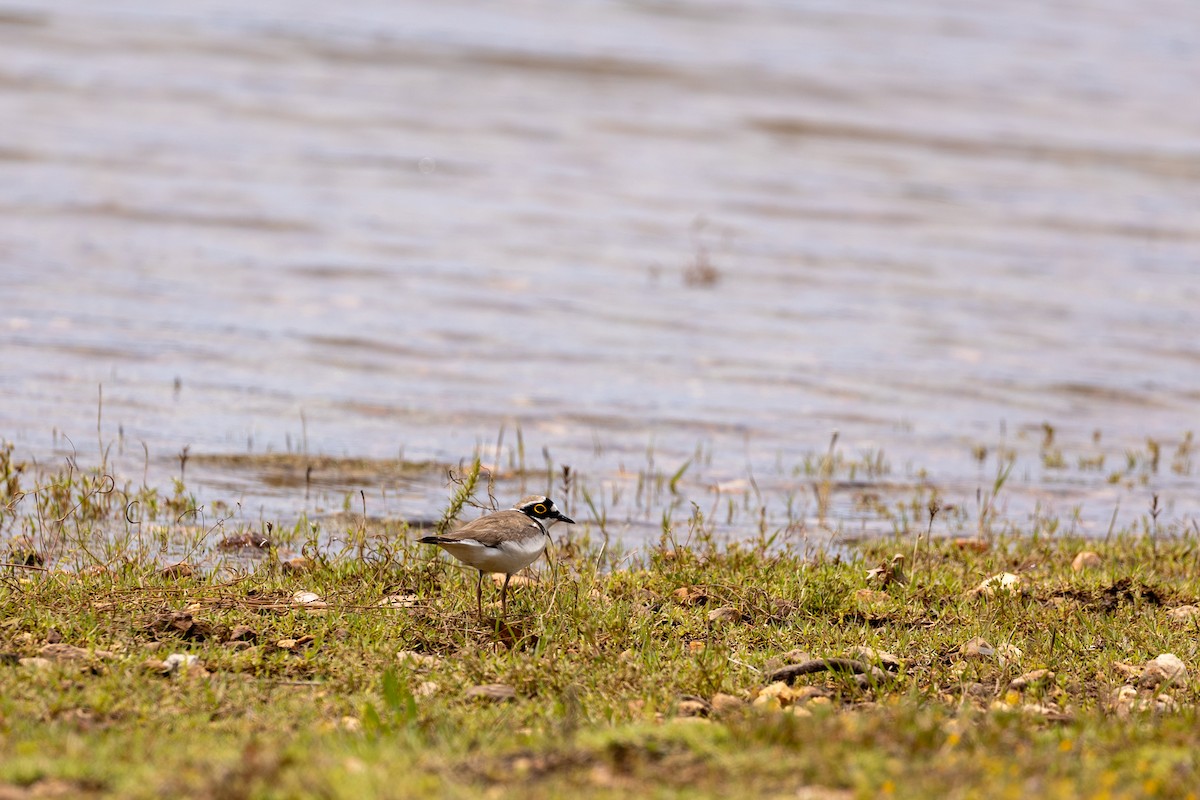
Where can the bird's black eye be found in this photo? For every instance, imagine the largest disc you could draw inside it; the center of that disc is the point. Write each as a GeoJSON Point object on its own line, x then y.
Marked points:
{"type": "Point", "coordinates": [539, 509]}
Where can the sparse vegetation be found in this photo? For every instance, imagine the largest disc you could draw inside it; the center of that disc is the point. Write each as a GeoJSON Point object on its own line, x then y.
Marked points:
{"type": "Point", "coordinates": [1002, 661]}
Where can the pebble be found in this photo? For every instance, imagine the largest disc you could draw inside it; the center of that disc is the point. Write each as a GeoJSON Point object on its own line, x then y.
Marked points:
{"type": "Point", "coordinates": [299, 564]}
{"type": "Point", "coordinates": [692, 708]}
{"type": "Point", "coordinates": [65, 652]}
{"type": "Point", "coordinates": [872, 656]}
{"type": "Point", "coordinates": [180, 570]}
{"type": "Point", "coordinates": [1038, 677]}
{"type": "Point", "coordinates": [977, 648]}
{"type": "Point", "coordinates": [1006, 653]}
{"type": "Point", "coordinates": [242, 633]}
{"type": "Point", "coordinates": [1003, 583]}
{"type": "Point", "coordinates": [774, 696]}
{"type": "Point", "coordinates": [690, 595]}
{"type": "Point", "coordinates": [725, 614]}
{"type": "Point", "coordinates": [180, 662]}
{"type": "Point", "coordinates": [1184, 613]}
{"type": "Point", "coordinates": [1127, 699]}
{"type": "Point", "coordinates": [1163, 670]}
{"type": "Point", "coordinates": [726, 703]}
{"type": "Point", "coordinates": [1086, 560]}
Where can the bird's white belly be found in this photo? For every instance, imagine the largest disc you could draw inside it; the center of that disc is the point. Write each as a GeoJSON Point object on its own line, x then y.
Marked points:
{"type": "Point", "coordinates": [507, 557]}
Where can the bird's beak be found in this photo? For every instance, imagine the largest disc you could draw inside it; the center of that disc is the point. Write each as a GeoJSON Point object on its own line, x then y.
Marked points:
{"type": "Point", "coordinates": [564, 518]}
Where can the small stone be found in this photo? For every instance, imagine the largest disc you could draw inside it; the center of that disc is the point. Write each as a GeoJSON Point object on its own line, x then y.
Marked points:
{"type": "Point", "coordinates": [66, 652]}
{"type": "Point", "coordinates": [1042, 710]}
{"type": "Point", "coordinates": [286, 644]}
{"type": "Point", "coordinates": [800, 711]}
{"type": "Point", "coordinates": [1086, 560]}
{"type": "Point", "coordinates": [1128, 699]}
{"type": "Point", "coordinates": [1163, 670]}
{"type": "Point", "coordinates": [1184, 613]}
{"type": "Point", "coordinates": [692, 708]}
{"type": "Point", "coordinates": [247, 539]}
{"type": "Point", "coordinates": [809, 694]}
{"type": "Point", "coordinates": [299, 565]}
{"type": "Point", "coordinates": [977, 648]}
{"type": "Point", "coordinates": [872, 656]}
{"type": "Point", "coordinates": [690, 595]}
{"type": "Point", "coordinates": [777, 694]}
{"type": "Point", "coordinates": [725, 614]}
{"type": "Point", "coordinates": [494, 692]}
{"type": "Point", "coordinates": [1001, 584]}
{"type": "Point", "coordinates": [180, 662]}
{"type": "Point", "coordinates": [1128, 670]}
{"type": "Point", "coordinates": [727, 703]}
{"type": "Point", "coordinates": [156, 666]}
{"type": "Point", "coordinates": [306, 598]}
{"type": "Point", "coordinates": [1007, 653]}
{"type": "Point", "coordinates": [1038, 677]}
{"type": "Point", "coordinates": [1164, 704]}
{"type": "Point", "coordinates": [977, 690]}
{"type": "Point", "coordinates": [242, 633]}
{"type": "Point", "coordinates": [36, 663]}
{"type": "Point", "coordinates": [180, 570]}
{"type": "Point", "coordinates": [425, 689]}
{"type": "Point", "coordinates": [183, 624]}
{"type": "Point", "coordinates": [766, 702]}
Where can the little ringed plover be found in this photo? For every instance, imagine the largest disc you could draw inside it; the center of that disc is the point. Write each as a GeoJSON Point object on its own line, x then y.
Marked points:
{"type": "Point", "coordinates": [506, 541]}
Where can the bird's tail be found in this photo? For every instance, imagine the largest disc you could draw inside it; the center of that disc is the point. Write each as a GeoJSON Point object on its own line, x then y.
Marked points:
{"type": "Point", "coordinates": [432, 540]}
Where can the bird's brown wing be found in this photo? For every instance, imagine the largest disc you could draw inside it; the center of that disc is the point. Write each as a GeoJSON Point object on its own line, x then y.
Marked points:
{"type": "Point", "coordinates": [495, 528]}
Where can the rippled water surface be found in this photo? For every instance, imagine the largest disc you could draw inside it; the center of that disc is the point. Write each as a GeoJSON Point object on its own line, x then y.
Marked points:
{"type": "Point", "coordinates": [628, 229]}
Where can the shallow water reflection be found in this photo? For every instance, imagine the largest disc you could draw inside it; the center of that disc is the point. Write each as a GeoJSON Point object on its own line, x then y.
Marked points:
{"type": "Point", "coordinates": [374, 231]}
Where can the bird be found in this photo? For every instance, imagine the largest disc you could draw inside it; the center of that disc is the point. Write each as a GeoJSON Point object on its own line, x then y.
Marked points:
{"type": "Point", "coordinates": [506, 541]}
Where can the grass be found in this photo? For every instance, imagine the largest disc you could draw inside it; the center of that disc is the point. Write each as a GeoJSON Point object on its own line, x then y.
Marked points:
{"type": "Point", "coordinates": [619, 673]}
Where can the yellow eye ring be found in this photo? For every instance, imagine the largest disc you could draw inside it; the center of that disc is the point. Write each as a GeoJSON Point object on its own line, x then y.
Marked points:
{"type": "Point", "coordinates": [539, 509]}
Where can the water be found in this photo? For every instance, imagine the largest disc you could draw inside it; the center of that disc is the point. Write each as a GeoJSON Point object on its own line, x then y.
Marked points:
{"type": "Point", "coordinates": [629, 229]}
